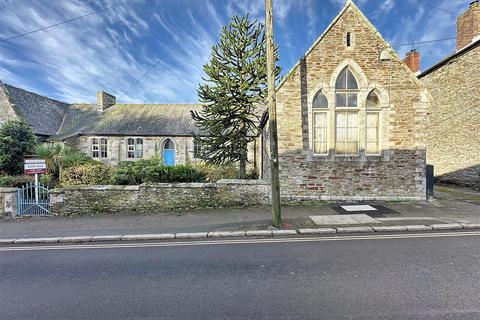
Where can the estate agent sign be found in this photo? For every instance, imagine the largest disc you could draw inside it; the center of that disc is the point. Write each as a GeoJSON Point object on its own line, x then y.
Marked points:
{"type": "Point", "coordinates": [35, 166]}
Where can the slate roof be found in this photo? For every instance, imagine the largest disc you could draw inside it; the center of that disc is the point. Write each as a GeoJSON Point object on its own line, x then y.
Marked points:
{"type": "Point", "coordinates": [59, 120]}
{"type": "Point", "coordinates": [130, 119]}
{"type": "Point", "coordinates": [43, 114]}
{"type": "Point", "coordinates": [450, 58]}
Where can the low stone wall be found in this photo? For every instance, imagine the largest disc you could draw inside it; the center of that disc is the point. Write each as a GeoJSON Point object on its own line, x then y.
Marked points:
{"type": "Point", "coordinates": [8, 202]}
{"type": "Point", "coordinates": [157, 198]}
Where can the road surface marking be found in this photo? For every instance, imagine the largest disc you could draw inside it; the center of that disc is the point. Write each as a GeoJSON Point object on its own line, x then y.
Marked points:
{"type": "Point", "coordinates": [239, 241]}
{"type": "Point", "coordinates": [358, 208]}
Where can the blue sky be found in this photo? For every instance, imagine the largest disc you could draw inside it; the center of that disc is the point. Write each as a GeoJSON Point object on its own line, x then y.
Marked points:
{"type": "Point", "coordinates": [173, 38]}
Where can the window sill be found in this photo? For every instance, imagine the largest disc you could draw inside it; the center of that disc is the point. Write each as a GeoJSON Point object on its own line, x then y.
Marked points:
{"type": "Point", "coordinates": [345, 158]}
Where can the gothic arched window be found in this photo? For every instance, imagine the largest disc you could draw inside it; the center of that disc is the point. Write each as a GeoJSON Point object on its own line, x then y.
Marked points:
{"type": "Point", "coordinates": [320, 124]}
{"type": "Point", "coordinates": [372, 124]}
{"type": "Point", "coordinates": [346, 121]}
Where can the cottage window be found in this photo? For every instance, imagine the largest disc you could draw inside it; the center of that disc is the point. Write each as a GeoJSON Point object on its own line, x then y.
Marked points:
{"type": "Point", "coordinates": [103, 148]}
{"type": "Point", "coordinates": [139, 148]}
{"type": "Point", "coordinates": [134, 148]}
{"type": "Point", "coordinates": [346, 116]}
{"type": "Point", "coordinates": [99, 148]}
{"type": "Point", "coordinates": [320, 124]}
{"type": "Point", "coordinates": [372, 124]}
{"type": "Point", "coordinates": [197, 149]}
{"type": "Point", "coordinates": [95, 148]}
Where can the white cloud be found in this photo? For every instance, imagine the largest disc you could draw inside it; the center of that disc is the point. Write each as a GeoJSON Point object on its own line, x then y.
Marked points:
{"type": "Point", "coordinates": [101, 52]}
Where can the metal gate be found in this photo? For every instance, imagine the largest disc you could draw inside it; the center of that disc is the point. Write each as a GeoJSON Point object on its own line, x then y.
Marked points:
{"type": "Point", "coordinates": [33, 200]}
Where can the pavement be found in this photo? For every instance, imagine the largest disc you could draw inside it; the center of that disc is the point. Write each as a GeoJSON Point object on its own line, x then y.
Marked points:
{"type": "Point", "coordinates": [375, 277]}
{"type": "Point", "coordinates": [453, 208]}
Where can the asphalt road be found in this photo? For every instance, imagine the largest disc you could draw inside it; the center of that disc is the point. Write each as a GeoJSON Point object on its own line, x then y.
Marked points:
{"type": "Point", "coordinates": [410, 278]}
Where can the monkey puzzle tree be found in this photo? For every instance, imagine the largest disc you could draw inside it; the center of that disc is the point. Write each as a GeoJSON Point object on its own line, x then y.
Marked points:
{"type": "Point", "coordinates": [234, 87]}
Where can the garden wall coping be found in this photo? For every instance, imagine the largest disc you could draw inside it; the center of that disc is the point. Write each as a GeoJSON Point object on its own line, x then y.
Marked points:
{"type": "Point", "coordinates": [222, 182]}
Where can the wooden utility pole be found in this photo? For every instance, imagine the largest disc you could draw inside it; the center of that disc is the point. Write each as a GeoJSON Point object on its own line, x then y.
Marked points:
{"type": "Point", "coordinates": [272, 120]}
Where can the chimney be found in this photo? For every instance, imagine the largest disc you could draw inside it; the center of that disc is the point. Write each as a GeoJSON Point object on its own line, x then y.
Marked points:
{"type": "Point", "coordinates": [105, 100]}
{"type": "Point", "coordinates": [412, 60]}
{"type": "Point", "coordinates": [468, 26]}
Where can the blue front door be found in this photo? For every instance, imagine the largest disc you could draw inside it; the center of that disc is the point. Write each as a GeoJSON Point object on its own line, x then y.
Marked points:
{"type": "Point", "coordinates": [169, 157]}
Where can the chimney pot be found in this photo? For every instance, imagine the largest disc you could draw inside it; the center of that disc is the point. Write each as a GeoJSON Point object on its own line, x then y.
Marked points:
{"type": "Point", "coordinates": [468, 25]}
{"type": "Point", "coordinates": [412, 60]}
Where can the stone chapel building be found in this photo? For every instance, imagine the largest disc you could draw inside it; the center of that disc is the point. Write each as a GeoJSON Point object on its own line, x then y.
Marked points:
{"type": "Point", "coordinates": [351, 119]}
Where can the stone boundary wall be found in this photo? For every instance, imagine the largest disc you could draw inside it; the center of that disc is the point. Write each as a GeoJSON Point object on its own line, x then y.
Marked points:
{"type": "Point", "coordinates": [157, 198]}
{"type": "Point", "coordinates": [8, 202]}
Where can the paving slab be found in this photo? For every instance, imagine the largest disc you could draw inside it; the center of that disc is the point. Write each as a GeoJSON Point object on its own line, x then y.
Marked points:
{"type": "Point", "coordinates": [354, 229]}
{"type": "Point", "coordinates": [344, 219]}
{"type": "Point", "coordinates": [226, 234]}
{"type": "Point", "coordinates": [153, 236]}
{"type": "Point", "coordinates": [191, 235]}
{"type": "Point", "coordinates": [317, 231]}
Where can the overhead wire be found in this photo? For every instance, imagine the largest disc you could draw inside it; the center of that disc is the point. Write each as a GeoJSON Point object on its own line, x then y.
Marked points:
{"type": "Point", "coordinates": [62, 22]}
{"type": "Point", "coordinates": [432, 6]}
{"type": "Point", "coordinates": [423, 42]}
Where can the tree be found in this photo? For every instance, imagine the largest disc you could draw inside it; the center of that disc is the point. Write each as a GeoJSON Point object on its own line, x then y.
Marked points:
{"type": "Point", "coordinates": [16, 141]}
{"type": "Point", "coordinates": [58, 157]}
{"type": "Point", "coordinates": [235, 87]}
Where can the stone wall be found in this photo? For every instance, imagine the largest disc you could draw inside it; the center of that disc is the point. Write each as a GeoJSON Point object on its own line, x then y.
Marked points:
{"type": "Point", "coordinates": [158, 198]}
{"type": "Point", "coordinates": [152, 146]}
{"type": "Point", "coordinates": [454, 120]}
{"type": "Point", "coordinates": [117, 147]}
{"type": "Point", "coordinates": [7, 112]}
{"type": "Point", "coordinates": [8, 202]}
{"type": "Point", "coordinates": [399, 170]}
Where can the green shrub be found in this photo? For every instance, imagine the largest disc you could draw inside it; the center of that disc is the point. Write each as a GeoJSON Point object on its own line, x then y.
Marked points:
{"type": "Point", "coordinates": [92, 173]}
{"type": "Point", "coordinates": [59, 157]}
{"type": "Point", "coordinates": [153, 171]}
{"type": "Point", "coordinates": [127, 174]}
{"type": "Point", "coordinates": [16, 141]}
{"type": "Point", "coordinates": [214, 173]}
{"type": "Point", "coordinates": [15, 181]}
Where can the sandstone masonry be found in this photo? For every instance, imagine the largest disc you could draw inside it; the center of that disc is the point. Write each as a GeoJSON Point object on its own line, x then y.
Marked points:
{"type": "Point", "coordinates": [158, 198]}
{"type": "Point", "coordinates": [454, 118]}
{"type": "Point", "coordinates": [398, 170]}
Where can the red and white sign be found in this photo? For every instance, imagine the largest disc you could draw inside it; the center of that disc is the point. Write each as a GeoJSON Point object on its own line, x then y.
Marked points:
{"type": "Point", "coordinates": [35, 166]}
